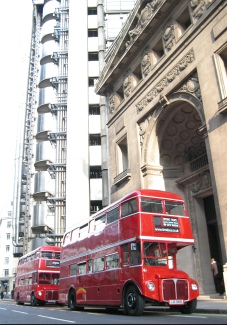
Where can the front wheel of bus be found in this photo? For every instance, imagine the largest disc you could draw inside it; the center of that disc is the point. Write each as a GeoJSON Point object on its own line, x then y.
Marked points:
{"type": "Point", "coordinates": [189, 308]}
{"type": "Point", "coordinates": [133, 302]}
{"type": "Point", "coordinates": [34, 301]}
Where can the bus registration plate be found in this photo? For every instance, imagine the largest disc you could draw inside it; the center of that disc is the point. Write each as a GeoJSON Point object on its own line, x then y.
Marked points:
{"type": "Point", "coordinates": [176, 302]}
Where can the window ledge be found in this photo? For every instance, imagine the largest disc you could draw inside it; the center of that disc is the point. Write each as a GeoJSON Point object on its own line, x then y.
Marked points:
{"type": "Point", "coordinates": [122, 177]}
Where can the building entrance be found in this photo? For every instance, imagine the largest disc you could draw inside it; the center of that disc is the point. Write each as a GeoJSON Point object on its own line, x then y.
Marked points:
{"type": "Point", "coordinates": [212, 228]}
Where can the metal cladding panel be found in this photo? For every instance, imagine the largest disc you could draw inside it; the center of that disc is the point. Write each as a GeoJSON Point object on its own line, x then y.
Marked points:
{"type": "Point", "coordinates": [96, 189]}
{"type": "Point", "coordinates": [37, 242]}
{"type": "Point", "coordinates": [48, 70]}
{"type": "Point", "coordinates": [43, 182]}
{"type": "Point", "coordinates": [48, 28]}
{"type": "Point", "coordinates": [45, 151]}
{"type": "Point", "coordinates": [46, 122]}
{"type": "Point", "coordinates": [18, 251]}
{"type": "Point", "coordinates": [49, 47]}
{"type": "Point", "coordinates": [42, 215]}
{"type": "Point", "coordinates": [94, 124]}
{"type": "Point", "coordinates": [92, 21]}
{"type": "Point", "coordinates": [95, 155]}
{"type": "Point", "coordinates": [49, 7]}
{"type": "Point", "coordinates": [47, 95]}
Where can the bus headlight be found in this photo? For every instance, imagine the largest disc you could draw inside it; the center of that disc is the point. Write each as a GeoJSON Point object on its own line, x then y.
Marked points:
{"type": "Point", "coordinates": [194, 286]}
{"type": "Point", "coordinates": [150, 286]}
{"type": "Point", "coordinates": [40, 293]}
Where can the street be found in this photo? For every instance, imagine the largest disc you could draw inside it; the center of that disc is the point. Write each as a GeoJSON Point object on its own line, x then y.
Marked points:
{"type": "Point", "coordinates": [11, 313]}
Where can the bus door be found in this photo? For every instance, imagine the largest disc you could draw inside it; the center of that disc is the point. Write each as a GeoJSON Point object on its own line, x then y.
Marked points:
{"type": "Point", "coordinates": [113, 285]}
{"type": "Point", "coordinates": [29, 288]}
{"type": "Point", "coordinates": [98, 290]}
{"type": "Point", "coordinates": [131, 259]}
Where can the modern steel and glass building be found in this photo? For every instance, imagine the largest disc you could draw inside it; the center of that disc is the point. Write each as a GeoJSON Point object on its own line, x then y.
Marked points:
{"type": "Point", "coordinates": [63, 148]}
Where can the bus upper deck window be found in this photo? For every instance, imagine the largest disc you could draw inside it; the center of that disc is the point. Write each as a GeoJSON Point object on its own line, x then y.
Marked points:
{"type": "Point", "coordinates": [174, 208]}
{"type": "Point", "coordinates": [151, 205]}
{"type": "Point", "coordinates": [129, 207]}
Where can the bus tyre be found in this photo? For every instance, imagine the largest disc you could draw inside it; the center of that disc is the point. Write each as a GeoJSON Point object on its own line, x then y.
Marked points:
{"type": "Point", "coordinates": [189, 308]}
{"type": "Point", "coordinates": [72, 300]}
{"type": "Point", "coordinates": [133, 302]}
{"type": "Point", "coordinates": [34, 301]}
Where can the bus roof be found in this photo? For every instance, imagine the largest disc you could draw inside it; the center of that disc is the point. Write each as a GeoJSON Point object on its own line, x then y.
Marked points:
{"type": "Point", "coordinates": [141, 192]}
{"type": "Point", "coordinates": [42, 248]}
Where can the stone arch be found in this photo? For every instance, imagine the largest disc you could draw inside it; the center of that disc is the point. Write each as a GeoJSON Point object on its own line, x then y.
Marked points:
{"type": "Point", "coordinates": [163, 127]}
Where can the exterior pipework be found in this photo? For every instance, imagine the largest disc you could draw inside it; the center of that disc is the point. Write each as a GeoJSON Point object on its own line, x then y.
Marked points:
{"type": "Point", "coordinates": [24, 158]}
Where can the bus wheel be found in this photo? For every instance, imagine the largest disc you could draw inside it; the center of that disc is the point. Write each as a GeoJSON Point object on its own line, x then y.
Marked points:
{"type": "Point", "coordinates": [189, 308]}
{"type": "Point", "coordinates": [18, 300]}
{"type": "Point", "coordinates": [133, 303]}
{"type": "Point", "coordinates": [72, 300]}
{"type": "Point", "coordinates": [34, 301]}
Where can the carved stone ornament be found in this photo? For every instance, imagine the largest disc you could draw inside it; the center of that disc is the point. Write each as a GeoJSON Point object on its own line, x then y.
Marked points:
{"type": "Point", "coordinates": [203, 182]}
{"type": "Point", "coordinates": [163, 101]}
{"type": "Point", "coordinates": [143, 18]}
{"type": "Point", "coordinates": [143, 126]}
{"type": "Point", "coordinates": [176, 71]}
{"type": "Point", "coordinates": [169, 37]}
{"type": "Point", "coordinates": [198, 7]}
{"type": "Point", "coordinates": [146, 62]}
{"type": "Point", "coordinates": [192, 86]}
{"type": "Point", "coordinates": [112, 104]}
{"type": "Point", "coordinates": [127, 85]}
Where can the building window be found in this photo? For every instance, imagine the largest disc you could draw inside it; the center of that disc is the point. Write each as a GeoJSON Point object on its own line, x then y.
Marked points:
{"type": "Point", "coordinates": [183, 22]}
{"type": "Point", "coordinates": [94, 140]}
{"type": "Point", "coordinates": [7, 248]}
{"type": "Point", "coordinates": [95, 206]}
{"type": "Point", "coordinates": [94, 110]}
{"type": "Point", "coordinates": [92, 81]}
{"type": "Point", "coordinates": [92, 33]}
{"type": "Point", "coordinates": [8, 224]}
{"type": "Point", "coordinates": [9, 213]}
{"type": "Point", "coordinates": [93, 56]}
{"type": "Point", "coordinates": [120, 93]}
{"type": "Point", "coordinates": [122, 155]}
{"type": "Point", "coordinates": [95, 172]}
{"type": "Point", "coordinates": [6, 260]}
{"type": "Point", "coordinates": [221, 68]}
{"type": "Point", "coordinates": [92, 11]}
{"type": "Point", "coordinates": [157, 52]}
{"type": "Point", "coordinates": [7, 236]}
{"type": "Point", "coordinates": [6, 271]}
{"type": "Point", "coordinates": [138, 73]}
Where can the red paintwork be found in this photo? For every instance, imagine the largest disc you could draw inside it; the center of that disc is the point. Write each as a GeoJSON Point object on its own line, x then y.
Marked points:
{"type": "Point", "coordinates": [26, 270]}
{"type": "Point", "coordinates": [105, 288]}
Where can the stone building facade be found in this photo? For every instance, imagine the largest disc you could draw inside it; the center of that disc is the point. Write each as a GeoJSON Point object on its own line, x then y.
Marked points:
{"type": "Point", "coordinates": [165, 84]}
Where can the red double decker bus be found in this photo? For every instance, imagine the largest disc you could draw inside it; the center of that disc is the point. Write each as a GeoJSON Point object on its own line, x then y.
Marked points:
{"type": "Point", "coordinates": [37, 277]}
{"type": "Point", "coordinates": [125, 256]}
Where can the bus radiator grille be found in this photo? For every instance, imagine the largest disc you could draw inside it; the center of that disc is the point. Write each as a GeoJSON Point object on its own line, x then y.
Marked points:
{"type": "Point", "coordinates": [175, 289]}
{"type": "Point", "coordinates": [51, 295]}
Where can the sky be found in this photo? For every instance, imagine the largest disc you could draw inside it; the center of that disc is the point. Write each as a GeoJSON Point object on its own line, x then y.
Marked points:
{"type": "Point", "coordinates": [15, 23]}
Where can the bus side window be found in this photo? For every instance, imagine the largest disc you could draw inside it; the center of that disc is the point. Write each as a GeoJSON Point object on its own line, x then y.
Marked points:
{"type": "Point", "coordinates": [129, 207]}
{"type": "Point", "coordinates": [125, 255]}
{"type": "Point", "coordinates": [89, 266]}
{"type": "Point", "coordinates": [112, 215]}
{"type": "Point", "coordinates": [135, 254]}
{"type": "Point", "coordinates": [98, 264]}
{"type": "Point", "coordinates": [73, 269]}
{"type": "Point", "coordinates": [112, 261]}
{"type": "Point", "coordinates": [100, 222]}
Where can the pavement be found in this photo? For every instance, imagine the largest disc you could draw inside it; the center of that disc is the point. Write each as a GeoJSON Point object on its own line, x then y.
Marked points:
{"type": "Point", "coordinates": [206, 304]}
{"type": "Point", "coordinates": [212, 304]}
